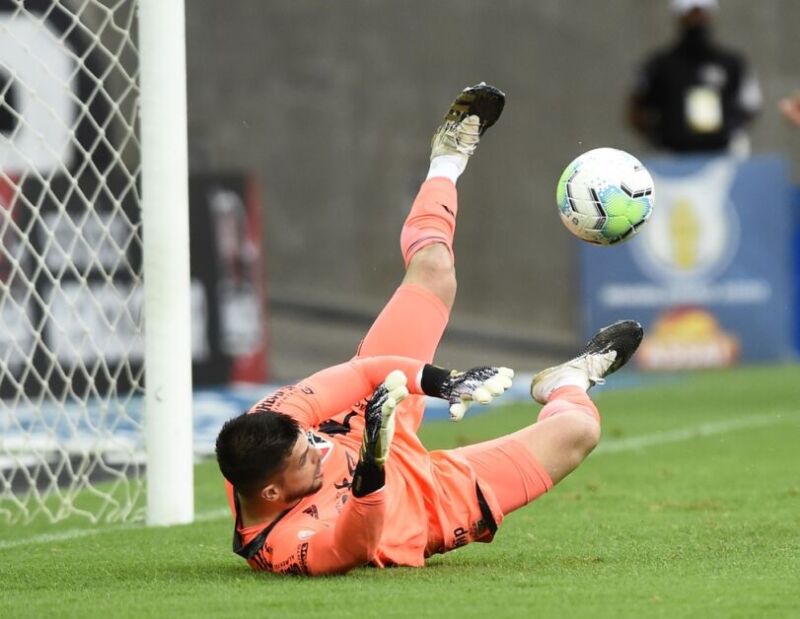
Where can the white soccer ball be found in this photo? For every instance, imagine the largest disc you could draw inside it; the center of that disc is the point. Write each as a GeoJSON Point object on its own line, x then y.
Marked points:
{"type": "Point", "coordinates": [604, 196]}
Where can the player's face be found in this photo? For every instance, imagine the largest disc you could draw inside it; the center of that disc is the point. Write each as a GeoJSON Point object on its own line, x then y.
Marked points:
{"type": "Point", "coordinates": [302, 474]}
{"type": "Point", "coordinates": [696, 17]}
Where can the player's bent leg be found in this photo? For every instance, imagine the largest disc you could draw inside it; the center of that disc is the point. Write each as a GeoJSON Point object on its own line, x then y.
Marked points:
{"type": "Point", "coordinates": [559, 443]}
{"type": "Point", "coordinates": [568, 427]}
{"type": "Point", "coordinates": [569, 424]}
{"type": "Point", "coordinates": [520, 467]}
{"type": "Point", "coordinates": [506, 467]}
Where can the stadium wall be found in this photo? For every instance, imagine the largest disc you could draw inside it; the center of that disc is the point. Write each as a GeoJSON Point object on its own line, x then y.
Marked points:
{"type": "Point", "coordinates": [332, 105]}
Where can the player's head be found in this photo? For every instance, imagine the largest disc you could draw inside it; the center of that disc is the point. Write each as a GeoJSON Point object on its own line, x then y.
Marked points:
{"type": "Point", "coordinates": [265, 454]}
{"type": "Point", "coordinates": [694, 13]}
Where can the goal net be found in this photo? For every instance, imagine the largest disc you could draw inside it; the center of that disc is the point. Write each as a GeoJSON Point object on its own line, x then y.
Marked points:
{"type": "Point", "coordinates": [72, 295]}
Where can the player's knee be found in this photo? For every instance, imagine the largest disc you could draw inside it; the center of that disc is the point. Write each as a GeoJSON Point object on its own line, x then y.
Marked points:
{"type": "Point", "coordinates": [585, 433]}
{"type": "Point", "coordinates": [433, 268]}
{"type": "Point", "coordinates": [580, 432]}
{"type": "Point", "coordinates": [435, 262]}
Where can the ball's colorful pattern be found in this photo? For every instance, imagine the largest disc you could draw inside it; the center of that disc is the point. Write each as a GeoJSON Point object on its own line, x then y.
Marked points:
{"type": "Point", "coordinates": [605, 195]}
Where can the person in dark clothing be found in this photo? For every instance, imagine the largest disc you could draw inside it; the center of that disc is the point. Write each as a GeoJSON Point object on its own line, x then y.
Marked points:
{"type": "Point", "coordinates": [695, 96]}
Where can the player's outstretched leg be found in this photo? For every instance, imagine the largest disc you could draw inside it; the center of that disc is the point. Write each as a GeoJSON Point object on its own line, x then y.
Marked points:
{"type": "Point", "coordinates": [413, 321]}
{"type": "Point", "coordinates": [426, 240]}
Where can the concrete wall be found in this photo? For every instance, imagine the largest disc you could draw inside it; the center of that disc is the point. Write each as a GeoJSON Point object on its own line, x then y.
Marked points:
{"type": "Point", "coordinates": [333, 104]}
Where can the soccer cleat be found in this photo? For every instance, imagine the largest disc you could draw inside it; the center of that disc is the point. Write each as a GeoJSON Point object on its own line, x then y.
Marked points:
{"type": "Point", "coordinates": [609, 349]}
{"type": "Point", "coordinates": [475, 110]}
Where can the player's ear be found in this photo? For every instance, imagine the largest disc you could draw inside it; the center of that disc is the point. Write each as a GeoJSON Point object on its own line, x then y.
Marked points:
{"type": "Point", "coordinates": [270, 492]}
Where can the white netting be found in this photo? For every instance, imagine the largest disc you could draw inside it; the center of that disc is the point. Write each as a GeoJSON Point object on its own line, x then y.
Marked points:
{"type": "Point", "coordinates": [71, 342]}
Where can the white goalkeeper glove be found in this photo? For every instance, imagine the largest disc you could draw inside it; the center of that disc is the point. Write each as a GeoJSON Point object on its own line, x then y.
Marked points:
{"type": "Point", "coordinates": [461, 389]}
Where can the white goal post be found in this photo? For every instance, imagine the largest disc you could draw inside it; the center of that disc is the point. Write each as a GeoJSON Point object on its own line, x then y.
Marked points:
{"type": "Point", "coordinates": [95, 410]}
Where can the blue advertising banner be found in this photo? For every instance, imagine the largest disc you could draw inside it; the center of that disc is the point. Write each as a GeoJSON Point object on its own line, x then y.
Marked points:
{"type": "Point", "coordinates": [709, 276]}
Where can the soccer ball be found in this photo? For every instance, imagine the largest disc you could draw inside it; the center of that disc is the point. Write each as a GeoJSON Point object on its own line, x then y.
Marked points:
{"type": "Point", "coordinates": [604, 196]}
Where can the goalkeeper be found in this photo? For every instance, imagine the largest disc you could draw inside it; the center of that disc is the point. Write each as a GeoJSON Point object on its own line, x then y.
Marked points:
{"type": "Point", "coordinates": [329, 474]}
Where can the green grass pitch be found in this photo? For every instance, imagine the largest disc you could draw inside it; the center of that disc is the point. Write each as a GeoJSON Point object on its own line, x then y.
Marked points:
{"type": "Point", "coordinates": [690, 508]}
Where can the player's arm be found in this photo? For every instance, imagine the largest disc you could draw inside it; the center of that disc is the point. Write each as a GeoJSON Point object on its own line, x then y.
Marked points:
{"type": "Point", "coordinates": [338, 388]}
{"type": "Point", "coordinates": [354, 539]}
{"type": "Point", "coordinates": [749, 99]}
{"type": "Point", "coordinates": [333, 390]}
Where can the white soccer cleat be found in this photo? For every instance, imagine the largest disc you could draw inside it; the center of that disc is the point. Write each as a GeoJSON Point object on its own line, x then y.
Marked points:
{"type": "Point", "coordinates": [474, 110]}
{"type": "Point", "coordinates": [604, 354]}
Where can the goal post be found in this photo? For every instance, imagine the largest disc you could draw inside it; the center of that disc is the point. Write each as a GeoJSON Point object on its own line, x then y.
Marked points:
{"type": "Point", "coordinates": [95, 409]}
{"type": "Point", "coordinates": [165, 217]}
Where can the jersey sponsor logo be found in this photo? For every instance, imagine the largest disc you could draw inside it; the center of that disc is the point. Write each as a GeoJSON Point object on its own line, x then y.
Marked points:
{"type": "Point", "coordinates": [460, 537]}
{"type": "Point", "coordinates": [273, 401]}
{"type": "Point", "coordinates": [296, 565]}
{"type": "Point", "coordinates": [261, 562]}
{"type": "Point", "coordinates": [333, 426]}
{"type": "Point", "coordinates": [343, 487]}
{"type": "Point", "coordinates": [312, 511]}
{"type": "Point", "coordinates": [302, 553]}
{"type": "Point", "coordinates": [347, 482]}
{"type": "Point", "coordinates": [344, 484]}
{"type": "Point", "coordinates": [288, 566]}
{"type": "Point", "coordinates": [304, 534]}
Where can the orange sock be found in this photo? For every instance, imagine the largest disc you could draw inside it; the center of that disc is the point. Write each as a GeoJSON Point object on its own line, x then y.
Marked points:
{"type": "Point", "coordinates": [569, 398]}
{"type": "Point", "coordinates": [432, 218]}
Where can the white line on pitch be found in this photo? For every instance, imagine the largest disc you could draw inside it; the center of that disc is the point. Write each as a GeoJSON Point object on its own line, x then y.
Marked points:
{"type": "Point", "coordinates": [63, 536]}
{"type": "Point", "coordinates": [70, 534]}
{"type": "Point", "coordinates": [607, 447]}
{"type": "Point", "coordinates": [711, 428]}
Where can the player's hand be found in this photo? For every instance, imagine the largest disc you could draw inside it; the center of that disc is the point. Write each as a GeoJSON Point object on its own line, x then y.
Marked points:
{"type": "Point", "coordinates": [480, 385]}
{"type": "Point", "coordinates": [379, 418]}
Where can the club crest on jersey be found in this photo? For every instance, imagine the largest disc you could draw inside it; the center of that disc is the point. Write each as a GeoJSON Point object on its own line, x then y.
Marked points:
{"type": "Point", "coordinates": [324, 446]}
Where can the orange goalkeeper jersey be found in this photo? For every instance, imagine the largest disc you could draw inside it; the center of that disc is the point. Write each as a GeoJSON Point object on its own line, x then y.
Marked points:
{"type": "Point", "coordinates": [431, 501]}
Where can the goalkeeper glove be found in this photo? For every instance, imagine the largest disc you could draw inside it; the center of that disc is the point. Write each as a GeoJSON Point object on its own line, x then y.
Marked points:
{"type": "Point", "coordinates": [460, 389]}
{"type": "Point", "coordinates": [369, 475]}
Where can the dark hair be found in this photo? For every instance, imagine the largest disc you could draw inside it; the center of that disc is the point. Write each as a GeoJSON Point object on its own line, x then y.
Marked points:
{"type": "Point", "coordinates": [253, 447]}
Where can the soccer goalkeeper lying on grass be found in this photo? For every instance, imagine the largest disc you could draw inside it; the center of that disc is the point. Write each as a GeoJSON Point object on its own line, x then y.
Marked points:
{"type": "Point", "coordinates": [328, 474]}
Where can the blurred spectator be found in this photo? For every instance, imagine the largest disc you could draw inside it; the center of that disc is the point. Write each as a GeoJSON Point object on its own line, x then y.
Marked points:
{"type": "Point", "coordinates": [695, 96]}
{"type": "Point", "coordinates": [790, 108]}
